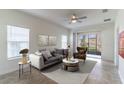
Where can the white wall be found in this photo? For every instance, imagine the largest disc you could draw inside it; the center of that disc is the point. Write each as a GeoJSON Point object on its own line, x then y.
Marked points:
{"type": "Point", "coordinates": [107, 38]}
{"type": "Point", "coordinates": [37, 26]}
{"type": "Point", "coordinates": [119, 61]}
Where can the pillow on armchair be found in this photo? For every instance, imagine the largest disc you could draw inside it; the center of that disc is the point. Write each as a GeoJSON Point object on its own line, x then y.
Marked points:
{"type": "Point", "coordinates": [81, 50]}
{"type": "Point", "coordinates": [81, 54]}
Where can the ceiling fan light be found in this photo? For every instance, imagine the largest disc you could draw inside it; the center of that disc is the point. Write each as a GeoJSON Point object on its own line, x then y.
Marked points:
{"type": "Point", "coordinates": [73, 17]}
{"type": "Point", "coordinates": [74, 21]}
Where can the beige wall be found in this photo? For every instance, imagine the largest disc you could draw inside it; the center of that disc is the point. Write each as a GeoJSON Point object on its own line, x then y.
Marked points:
{"type": "Point", "coordinates": [37, 26]}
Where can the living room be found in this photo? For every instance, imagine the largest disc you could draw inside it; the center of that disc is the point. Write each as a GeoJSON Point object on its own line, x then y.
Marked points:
{"type": "Point", "coordinates": [49, 23]}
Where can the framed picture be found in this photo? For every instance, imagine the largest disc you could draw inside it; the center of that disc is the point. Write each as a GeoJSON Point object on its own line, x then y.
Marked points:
{"type": "Point", "coordinates": [121, 44]}
{"type": "Point", "coordinates": [52, 40]}
{"type": "Point", "coordinates": [43, 40]}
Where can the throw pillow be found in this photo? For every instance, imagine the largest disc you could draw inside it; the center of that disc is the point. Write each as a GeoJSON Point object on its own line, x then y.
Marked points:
{"type": "Point", "coordinates": [53, 53]}
{"type": "Point", "coordinates": [81, 51]}
{"type": "Point", "coordinates": [46, 54]}
{"type": "Point", "coordinates": [38, 53]}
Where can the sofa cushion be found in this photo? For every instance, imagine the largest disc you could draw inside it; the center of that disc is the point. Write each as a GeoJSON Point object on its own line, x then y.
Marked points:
{"type": "Point", "coordinates": [58, 55]}
{"type": "Point", "coordinates": [60, 51]}
{"type": "Point", "coordinates": [51, 59]}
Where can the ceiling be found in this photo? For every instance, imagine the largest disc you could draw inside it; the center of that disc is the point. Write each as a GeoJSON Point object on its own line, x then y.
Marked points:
{"type": "Point", "coordinates": [60, 16]}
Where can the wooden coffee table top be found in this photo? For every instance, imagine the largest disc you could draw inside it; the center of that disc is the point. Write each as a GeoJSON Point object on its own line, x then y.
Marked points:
{"type": "Point", "coordinates": [71, 61]}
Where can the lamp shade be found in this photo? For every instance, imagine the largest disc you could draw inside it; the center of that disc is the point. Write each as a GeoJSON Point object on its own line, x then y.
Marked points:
{"type": "Point", "coordinates": [24, 51]}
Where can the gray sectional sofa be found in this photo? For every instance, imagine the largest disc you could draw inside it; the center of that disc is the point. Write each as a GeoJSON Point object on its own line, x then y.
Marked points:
{"type": "Point", "coordinates": [45, 58]}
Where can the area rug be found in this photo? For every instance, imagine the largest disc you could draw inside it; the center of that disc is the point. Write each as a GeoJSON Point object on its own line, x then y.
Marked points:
{"type": "Point", "coordinates": [61, 76]}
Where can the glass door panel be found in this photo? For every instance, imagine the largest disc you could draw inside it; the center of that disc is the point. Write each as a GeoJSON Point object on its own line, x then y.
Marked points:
{"type": "Point", "coordinates": [92, 40]}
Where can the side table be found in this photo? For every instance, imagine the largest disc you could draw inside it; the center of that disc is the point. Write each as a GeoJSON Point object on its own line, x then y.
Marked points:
{"type": "Point", "coordinates": [21, 67]}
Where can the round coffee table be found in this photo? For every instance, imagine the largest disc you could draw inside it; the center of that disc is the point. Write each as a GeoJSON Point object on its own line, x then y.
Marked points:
{"type": "Point", "coordinates": [71, 65]}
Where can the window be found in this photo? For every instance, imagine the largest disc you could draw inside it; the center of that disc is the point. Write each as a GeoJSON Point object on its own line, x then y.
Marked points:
{"type": "Point", "coordinates": [17, 39]}
{"type": "Point", "coordinates": [64, 41]}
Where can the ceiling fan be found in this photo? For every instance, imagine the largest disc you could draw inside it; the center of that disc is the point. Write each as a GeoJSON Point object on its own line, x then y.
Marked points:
{"type": "Point", "coordinates": [75, 19]}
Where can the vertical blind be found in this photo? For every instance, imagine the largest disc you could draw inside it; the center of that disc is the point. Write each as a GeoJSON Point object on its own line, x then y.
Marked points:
{"type": "Point", "coordinates": [64, 41]}
{"type": "Point", "coordinates": [17, 39]}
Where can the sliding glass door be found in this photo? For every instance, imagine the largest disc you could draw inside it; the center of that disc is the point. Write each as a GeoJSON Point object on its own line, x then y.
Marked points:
{"type": "Point", "coordinates": [90, 40]}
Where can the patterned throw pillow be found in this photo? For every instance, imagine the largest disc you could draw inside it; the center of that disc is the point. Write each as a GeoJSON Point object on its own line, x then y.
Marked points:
{"type": "Point", "coordinates": [81, 51]}
{"type": "Point", "coordinates": [46, 54]}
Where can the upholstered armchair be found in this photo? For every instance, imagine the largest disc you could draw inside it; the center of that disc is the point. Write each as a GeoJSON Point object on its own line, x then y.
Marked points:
{"type": "Point", "coordinates": [81, 54]}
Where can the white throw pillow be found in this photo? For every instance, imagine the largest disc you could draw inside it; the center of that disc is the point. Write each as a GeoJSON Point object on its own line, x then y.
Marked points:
{"type": "Point", "coordinates": [38, 53]}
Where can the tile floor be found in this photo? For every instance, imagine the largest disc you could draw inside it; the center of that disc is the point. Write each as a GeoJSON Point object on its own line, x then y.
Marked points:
{"type": "Point", "coordinates": [104, 72]}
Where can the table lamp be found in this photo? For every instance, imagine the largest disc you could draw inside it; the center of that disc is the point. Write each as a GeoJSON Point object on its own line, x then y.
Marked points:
{"type": "Point", "coordinates": [24, 53]}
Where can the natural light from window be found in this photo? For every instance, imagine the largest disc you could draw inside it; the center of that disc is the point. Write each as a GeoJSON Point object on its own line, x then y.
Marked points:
{"type": "Point", "coordinates": [64, 41]}
{"type": "Point", "coordinates": [17, 39]}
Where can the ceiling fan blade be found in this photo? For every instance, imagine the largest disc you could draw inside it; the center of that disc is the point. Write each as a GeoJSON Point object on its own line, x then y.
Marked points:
{"type": "Point", "coordinates": [79, 21]}
{"type": "Point", "coordinates": [84, 17]}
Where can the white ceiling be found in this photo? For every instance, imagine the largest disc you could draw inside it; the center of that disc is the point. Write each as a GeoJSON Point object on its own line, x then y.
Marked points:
{"type": "Point", "coordinates": [60, 16]}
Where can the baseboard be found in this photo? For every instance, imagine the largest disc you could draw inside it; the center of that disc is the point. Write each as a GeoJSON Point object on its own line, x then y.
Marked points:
{"type": "Point", "coordinates": [122, 80]}
{"type": "Point", "coordinates": [8, 71]}
{"type": "Point", "coordinates": [107, 60]}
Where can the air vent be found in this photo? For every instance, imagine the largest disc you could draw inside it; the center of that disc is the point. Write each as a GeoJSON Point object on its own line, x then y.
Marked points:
{"type": "Point", "coordinates": [108, 19]}
{"type": "Point", "coordinates": [105, 10]}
